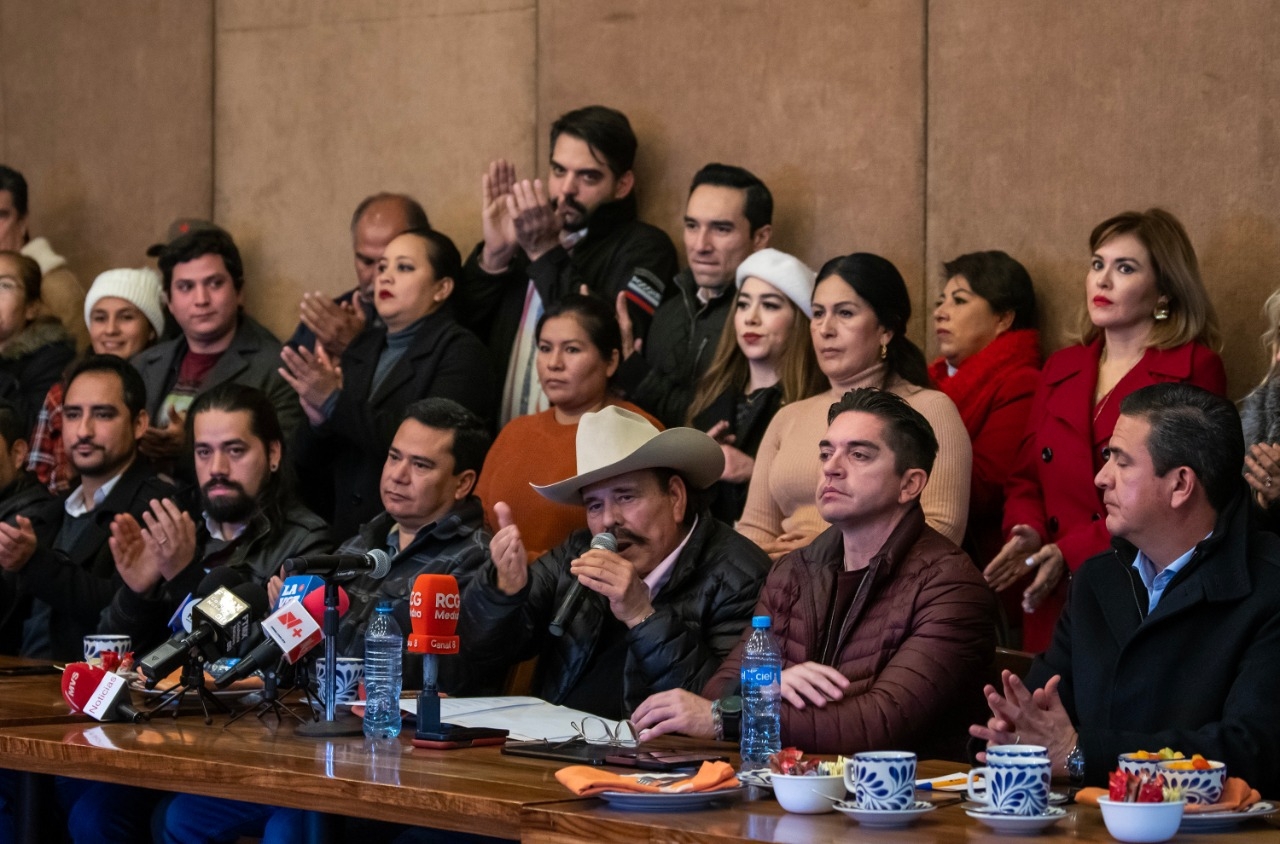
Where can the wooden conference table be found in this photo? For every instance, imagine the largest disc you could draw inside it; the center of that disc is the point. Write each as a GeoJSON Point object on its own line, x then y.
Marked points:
{"type": "Point", "coordinates": [475, 790]}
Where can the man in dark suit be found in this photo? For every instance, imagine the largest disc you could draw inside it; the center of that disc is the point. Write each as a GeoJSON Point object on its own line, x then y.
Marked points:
{"type": "Point", "coordinates": [203, 282]}
{"type": "Point", "coordinates": [1172, 638]}
{"type": "Point", "coordinates": [74, 577]}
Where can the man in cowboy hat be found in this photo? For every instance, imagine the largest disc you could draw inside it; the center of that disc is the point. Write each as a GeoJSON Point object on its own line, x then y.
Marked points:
{"type": "Point", "coordinates": [660, 612]}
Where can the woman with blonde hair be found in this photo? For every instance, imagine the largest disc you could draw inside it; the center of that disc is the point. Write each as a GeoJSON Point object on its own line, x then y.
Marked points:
{"type": "Point", "coordinates": [762, 362]}
{"type": "Point", "coordinates": [1260, 415]}
{"type": "Point", "coordinates": [1147, 320]}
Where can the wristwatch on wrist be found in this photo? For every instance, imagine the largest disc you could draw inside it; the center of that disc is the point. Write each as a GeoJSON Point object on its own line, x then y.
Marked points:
{"type": "Point", "coordinates": [1075, 766]}
{"type": "Point", "coordinates": [727, 713]}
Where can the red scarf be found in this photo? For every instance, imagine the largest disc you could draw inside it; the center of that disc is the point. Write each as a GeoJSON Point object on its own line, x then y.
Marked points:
{"type": "Point", "coordinates": [977, 379]}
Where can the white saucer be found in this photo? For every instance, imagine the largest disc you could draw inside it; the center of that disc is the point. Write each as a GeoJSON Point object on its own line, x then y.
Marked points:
{"type": "Point", "coordinates": [1017, 824]}
{"type": "Point", "coordinates": [885, 817]}
{"type": "Point", "coordinates": [761, 778]}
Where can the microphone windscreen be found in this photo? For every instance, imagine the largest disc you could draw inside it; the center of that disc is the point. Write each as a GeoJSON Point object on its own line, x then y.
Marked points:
{"type": "Point", "coordinates": [433, 613]}
{"type": "Point", "coordinates": [314, 603]}
{"type": "Point", "coordinates": [79, 681]}
{"type": "Point", "coordinates": [605, 541]}
{"type": "Point", "coordinates": [256, 597]}
{"type": "Point", "coordinates": [219, 577]}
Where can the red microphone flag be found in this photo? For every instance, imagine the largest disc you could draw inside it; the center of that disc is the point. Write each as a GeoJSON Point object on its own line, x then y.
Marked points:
{"type": "Point", "coordinates": [79, 681]}
{"type": "Point", "coordinates": [433, 612]}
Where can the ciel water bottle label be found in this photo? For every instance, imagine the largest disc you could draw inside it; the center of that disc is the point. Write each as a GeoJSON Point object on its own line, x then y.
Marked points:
{"type": "Point", "coordinates": [763, 675]}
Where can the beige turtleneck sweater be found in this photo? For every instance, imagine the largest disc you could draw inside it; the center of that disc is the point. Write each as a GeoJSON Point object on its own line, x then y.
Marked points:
{"type": "Point", "coordinates": [785, 480]}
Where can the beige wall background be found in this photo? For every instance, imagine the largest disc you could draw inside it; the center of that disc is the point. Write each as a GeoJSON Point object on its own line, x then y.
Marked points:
{"type": "Point", "coordinates": [918, 129]}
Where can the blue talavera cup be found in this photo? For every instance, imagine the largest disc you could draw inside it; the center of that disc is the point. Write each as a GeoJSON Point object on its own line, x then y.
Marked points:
{"type": "Point", "coordinates": [347, 687]}
{"type": "Point", "coordinates": [882, 780]}
{"type": "Point", "coordinates": [1016, 751]}
{"type": "Point", "coordinates": [1016, 785]}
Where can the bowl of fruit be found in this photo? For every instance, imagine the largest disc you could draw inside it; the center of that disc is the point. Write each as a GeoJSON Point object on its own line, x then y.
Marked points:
{"type": "Point", "coordinates": [1146, 760]}
{"type": "Point", "coordinates": [806, 786]}
{"type": "Point", "coordinates": [1200, 780]}
{"type": "Point", "coordinates": [1141, 807]}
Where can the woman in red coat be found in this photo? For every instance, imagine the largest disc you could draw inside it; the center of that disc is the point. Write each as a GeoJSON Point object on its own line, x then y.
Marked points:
{"type": "Point", "coordinates": [985, 322]}
{"type": "Point", "coordinates": [1148, 320]}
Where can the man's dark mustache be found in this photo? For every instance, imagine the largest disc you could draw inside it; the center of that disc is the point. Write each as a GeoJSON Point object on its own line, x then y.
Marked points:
{"type": "Point", "coordinates": [569, 201]}
{"type": "Point", "coordinates": [85, 441]}
{"type": "Point", "coordinates": [223, 482]}
{"type": "Point", "coordinates": [624, 535]}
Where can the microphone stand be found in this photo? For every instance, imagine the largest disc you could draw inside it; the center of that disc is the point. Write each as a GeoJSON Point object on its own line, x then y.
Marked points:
{"type": "Point", "coordinates": [192, 680]}
{"type": "Point", "coordinates": [333, 725]}
{"type": "Point", "coordinates": [271, 703]}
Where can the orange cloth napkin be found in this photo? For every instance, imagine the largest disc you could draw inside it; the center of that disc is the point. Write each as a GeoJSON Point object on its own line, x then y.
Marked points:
{"type": "Point", "coordinates": [587, 781]}
{"type": "Point", "coordinates": [1236, 797]}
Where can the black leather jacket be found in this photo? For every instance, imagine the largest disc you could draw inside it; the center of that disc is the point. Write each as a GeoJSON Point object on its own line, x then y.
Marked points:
{"type": "Point", "coordinates": [663, 377]}
{"type": "Point", "coordinates": [258, 553]}
{"type": "Point", "coordinates": [699, 616]}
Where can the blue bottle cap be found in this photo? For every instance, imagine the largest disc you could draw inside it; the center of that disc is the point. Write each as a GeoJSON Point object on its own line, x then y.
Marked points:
{"type": "Point", "coordinates": [384, 606]}
{"type": "Point", "coordinates": [759, 621]}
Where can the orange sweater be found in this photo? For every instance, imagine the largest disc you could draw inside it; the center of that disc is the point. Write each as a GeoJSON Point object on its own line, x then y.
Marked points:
{"type": "Point", "coordinates": [536, 449]}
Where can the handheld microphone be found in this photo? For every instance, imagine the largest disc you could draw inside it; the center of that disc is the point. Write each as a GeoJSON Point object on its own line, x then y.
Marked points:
{"type": "Point", "coordinates": [569, 606]}
{"type": "Point", "coordinates": [220, 623]}
{"type": "Point", "coordinates": [291, 632]}
{"type": "Point", "coordinates": [339, 567]}
{"type": "Point", "coordinates": [101, 694]}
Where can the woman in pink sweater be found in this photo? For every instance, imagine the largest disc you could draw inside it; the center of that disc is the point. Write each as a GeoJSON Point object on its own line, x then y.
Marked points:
{"type": "Point", "coordinates": [860, 313]}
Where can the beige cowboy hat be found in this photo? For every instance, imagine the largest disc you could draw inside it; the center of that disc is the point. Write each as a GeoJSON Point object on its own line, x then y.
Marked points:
{"type": "Point", "coordinates": [614, 441]}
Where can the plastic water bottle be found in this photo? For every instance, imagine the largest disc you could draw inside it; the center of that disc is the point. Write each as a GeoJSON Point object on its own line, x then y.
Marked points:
{"type": "Point", "coordinates": [761, 697]}
{"type": "Point", "coordinates": [383, 654]}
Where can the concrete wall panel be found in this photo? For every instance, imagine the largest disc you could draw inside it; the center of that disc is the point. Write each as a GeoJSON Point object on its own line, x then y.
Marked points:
{"type": "Point", "coordinates": [823, 101]}
{"type": "Point", "coordinates": [107, 110]}
{"type": "Point", "coordinates": [321, 104]}
{"type": "Point", "coordinates": [1046, 118]}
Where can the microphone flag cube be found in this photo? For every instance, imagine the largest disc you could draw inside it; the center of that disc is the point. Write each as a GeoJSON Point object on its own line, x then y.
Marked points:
{"type": "Point", "coordinates": [433, 613]}
{"type": "Point", "coordinates": [298, 586]}
{"type": "Point", "coordinates": [79, 681]}
{"type": "Point", "coordinates": [293, 629]}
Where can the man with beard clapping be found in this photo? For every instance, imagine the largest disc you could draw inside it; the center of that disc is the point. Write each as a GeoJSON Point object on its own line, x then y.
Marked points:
{"type": "Point", "coordinates": [249, 516]}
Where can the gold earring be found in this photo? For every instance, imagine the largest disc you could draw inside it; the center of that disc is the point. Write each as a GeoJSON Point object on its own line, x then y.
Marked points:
{"type": "Point", "coordinates": [884, 351]}
{"type": "Point", "coordinates": [1162, 311]}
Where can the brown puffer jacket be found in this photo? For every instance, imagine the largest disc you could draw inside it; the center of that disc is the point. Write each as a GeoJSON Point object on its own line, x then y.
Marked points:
{"type": "Point", "coordinates": [917, 644]}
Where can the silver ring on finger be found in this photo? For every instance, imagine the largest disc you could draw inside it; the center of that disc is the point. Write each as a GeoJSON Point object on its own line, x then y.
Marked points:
{"type": "Point", "coordinates": [162, 540]}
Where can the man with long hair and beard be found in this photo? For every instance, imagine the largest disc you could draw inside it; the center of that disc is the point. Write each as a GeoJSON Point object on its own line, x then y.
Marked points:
{"type": "Point", "coordinates": [250, 518]}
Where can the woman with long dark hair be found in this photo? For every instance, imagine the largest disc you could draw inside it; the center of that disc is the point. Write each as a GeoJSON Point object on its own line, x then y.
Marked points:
{"type": "Point", "coordinates": [860, 313]}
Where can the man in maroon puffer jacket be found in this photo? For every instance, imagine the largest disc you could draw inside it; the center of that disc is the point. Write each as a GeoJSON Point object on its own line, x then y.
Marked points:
{"type": "Point", "coordinates": [885, 627]}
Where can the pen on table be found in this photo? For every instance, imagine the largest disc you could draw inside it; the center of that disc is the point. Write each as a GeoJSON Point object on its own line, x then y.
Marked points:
{"type": "Point", "coordinates": [926, 785]}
